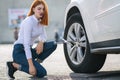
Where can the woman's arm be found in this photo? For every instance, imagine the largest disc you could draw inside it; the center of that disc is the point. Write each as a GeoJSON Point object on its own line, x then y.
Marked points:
{"type": "Point", "coordinates": [39, 48]}
{"type": "Point", "coordinates": [27, 30]}
{"type": "Point", "coordinates": [43, 35]}
{"type": "Point", "coordinates": [27, 27]}
{"type": "Point", "coordinates": [32, 69]}
{"type": "Point", "coordinates": [42, 39]}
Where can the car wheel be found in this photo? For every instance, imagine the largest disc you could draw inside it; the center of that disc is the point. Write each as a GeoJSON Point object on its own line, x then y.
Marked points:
{"type": "Point", "coordinates": [77, 50]}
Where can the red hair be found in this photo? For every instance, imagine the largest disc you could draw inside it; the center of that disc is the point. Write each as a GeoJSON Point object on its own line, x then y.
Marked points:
{"type": "Point", "coordinates": [35, 3]}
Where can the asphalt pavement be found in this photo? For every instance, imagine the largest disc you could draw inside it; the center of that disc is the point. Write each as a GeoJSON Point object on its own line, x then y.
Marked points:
{"type": "Point", "coordinates": [57, 68]}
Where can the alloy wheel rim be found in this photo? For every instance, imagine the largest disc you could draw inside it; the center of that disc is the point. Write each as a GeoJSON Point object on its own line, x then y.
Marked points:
{"type": "Point", "coordinates": [77, 43]}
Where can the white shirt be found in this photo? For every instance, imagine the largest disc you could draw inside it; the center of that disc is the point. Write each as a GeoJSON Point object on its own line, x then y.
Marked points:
{"type": "Point", "coordinates": [30, 29]}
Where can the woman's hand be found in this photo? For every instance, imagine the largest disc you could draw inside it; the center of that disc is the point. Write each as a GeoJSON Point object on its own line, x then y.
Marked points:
{"type": "Point", "coordinates": [32, 69]}
{"type": "Point", "coordinates": [39, 48]}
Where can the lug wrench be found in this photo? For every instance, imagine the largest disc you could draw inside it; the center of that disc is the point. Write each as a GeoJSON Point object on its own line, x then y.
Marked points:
{"type": "Point", "coordinates": [62, 41]}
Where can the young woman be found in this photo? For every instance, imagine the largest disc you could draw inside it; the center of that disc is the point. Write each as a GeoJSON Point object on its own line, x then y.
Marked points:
{"type": "Point", "coordinates": [24, 57]}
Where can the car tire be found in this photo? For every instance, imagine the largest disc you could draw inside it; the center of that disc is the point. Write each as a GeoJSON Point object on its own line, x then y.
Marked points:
{"type": "Point", "coordinates": [77, 50]}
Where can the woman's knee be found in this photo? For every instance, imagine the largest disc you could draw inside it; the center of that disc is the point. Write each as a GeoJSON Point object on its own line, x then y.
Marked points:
{"type": "Point", "coordinates": [41, 73]}
{"type": "Point", "coordinates": [44, 73]}
{"type": "Point", "coordinates": [54, 45]}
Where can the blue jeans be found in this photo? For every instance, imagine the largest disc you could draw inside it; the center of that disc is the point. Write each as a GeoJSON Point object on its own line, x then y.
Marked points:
{"type": "Point", "coordinates": [20, 57]}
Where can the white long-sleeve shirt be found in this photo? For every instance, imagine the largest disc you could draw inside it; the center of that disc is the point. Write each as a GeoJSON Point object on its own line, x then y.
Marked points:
{"type": "Point", "coordinates": [30, 29]}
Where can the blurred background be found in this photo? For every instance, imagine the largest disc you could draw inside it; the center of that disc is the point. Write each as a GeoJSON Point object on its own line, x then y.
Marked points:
{"type": "Point", "coordinates": [12, 12]}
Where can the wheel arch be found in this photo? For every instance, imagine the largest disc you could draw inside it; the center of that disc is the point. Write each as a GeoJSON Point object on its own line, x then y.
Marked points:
{"type": "Point", "coordinates": [84, 17]}
{"type": "Point", "coordinates": [72, 11]}
{"type": "Point", "coordinates": [75, 10]}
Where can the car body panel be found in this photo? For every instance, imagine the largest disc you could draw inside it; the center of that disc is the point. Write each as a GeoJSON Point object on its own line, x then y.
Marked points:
{"type": "Point", "coordinates": [100, 17]}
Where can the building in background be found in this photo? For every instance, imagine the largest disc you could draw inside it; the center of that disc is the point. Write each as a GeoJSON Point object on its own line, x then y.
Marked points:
{"type": "Point", "coordinates": [56, 17]}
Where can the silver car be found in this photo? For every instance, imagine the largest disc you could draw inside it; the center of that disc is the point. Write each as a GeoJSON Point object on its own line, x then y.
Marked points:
{"type": "Point", "coordinates": [92, 30]}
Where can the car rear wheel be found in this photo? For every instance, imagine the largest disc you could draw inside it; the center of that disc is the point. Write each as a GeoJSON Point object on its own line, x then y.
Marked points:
{"type": "Point", "coordinates": [77, 51]}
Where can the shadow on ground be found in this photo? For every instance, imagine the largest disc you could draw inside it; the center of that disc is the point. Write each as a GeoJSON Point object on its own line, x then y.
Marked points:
{"type": "Point", "coordinates": [102, 75]}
